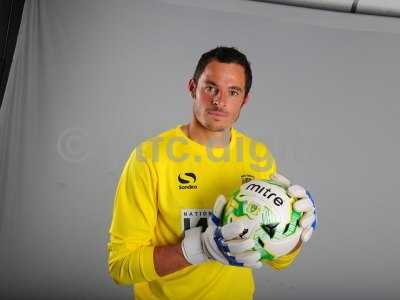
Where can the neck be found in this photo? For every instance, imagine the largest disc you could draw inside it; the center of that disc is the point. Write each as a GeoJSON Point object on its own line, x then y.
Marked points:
{"type": "Point", "coordinates": [200, 134]}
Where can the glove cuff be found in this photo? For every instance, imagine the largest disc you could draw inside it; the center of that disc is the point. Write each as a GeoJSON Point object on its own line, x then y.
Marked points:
{"type": "Point", "coordinates": [192, 246]}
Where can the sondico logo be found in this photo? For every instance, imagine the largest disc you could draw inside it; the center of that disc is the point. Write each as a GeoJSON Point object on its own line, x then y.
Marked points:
{"type": "Point", "coordinates": [265, 192]}
{"type": "Point", "coordinates": [187, 181]}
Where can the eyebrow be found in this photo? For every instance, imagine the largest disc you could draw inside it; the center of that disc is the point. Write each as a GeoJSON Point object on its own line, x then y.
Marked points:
{"type": "Point", "coordinates": [210, 82]}
{"type": "Point", "coordinates": [236, 88]}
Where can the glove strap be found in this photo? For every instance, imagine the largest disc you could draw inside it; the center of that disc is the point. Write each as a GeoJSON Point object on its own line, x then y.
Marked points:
{"type": "Point", "coordinates": [314, 224]}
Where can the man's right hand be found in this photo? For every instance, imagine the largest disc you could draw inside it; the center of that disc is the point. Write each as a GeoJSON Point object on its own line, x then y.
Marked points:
{"type": "Point", "coordinates": [221, 243]}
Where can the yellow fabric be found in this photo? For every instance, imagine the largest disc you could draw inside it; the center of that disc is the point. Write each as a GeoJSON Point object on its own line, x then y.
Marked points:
{"type": "Point", "coordinates": [158, 197]}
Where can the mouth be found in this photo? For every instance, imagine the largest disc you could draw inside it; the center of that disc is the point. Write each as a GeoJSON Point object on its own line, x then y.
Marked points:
{"type": "Point", "coordinates": [216, 113]}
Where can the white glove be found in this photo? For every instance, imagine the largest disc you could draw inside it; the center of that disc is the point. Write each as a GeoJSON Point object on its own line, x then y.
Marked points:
{"type": "Point", "coordinates": [305, 204]}
{"type": "Point", "coordinates": [221, 243]}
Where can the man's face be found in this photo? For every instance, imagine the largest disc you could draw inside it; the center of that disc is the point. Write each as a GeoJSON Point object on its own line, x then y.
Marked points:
{"type": "Point", "coordinates": [219, 95]}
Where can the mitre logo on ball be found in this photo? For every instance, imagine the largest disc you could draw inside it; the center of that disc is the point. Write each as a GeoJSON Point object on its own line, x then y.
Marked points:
{"type": "Point", "coordinates": [265, 208]}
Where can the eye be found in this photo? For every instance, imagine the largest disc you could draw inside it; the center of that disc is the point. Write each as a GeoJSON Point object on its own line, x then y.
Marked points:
{"type": "Point", "coordinates": [233, 93]}
{"type": "Point", "coordinates": [211, 89]}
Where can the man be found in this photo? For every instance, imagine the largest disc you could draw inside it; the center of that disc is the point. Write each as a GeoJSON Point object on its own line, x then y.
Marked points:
{"type": "Point", "coordinates": [159, 238]}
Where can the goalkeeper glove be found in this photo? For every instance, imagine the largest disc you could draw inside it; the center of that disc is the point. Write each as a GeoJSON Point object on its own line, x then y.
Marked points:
{"type": "Point", "coordinates": [221, 243]}
{"type": "Point", "coordinates": [305, 204]}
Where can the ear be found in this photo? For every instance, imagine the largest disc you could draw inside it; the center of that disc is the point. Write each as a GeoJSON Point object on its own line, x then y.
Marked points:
{"type": "Point", "coordinates": [192, 88]}
{"type": "Point", "coordinates": [245, 100]}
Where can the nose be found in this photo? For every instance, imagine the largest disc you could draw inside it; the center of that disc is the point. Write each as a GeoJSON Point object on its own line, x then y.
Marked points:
{"type": "Point", "coordinates": [218, 99]}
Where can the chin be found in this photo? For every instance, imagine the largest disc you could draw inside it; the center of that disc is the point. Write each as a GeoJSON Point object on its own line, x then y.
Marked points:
{"type": "Point", "coordinates": [218, 127]}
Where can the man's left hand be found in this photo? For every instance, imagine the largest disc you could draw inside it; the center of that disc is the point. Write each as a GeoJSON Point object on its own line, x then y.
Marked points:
{"type": "Point", "coordinates": [304, 203]}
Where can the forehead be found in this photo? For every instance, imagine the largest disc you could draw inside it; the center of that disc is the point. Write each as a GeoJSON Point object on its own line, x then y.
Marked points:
{"type": "Point", "coordinates": [230, 74]}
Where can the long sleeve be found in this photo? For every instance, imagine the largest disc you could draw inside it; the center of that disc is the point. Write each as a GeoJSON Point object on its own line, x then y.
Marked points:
{"type": "Point", "coordinates": [285, 261]}
{"type": "Point", "coordinates": [132, 228]}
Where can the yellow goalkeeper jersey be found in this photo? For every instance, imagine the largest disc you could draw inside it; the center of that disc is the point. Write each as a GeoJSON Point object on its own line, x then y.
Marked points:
{"type": "Point", "coordinates": [168, 185]}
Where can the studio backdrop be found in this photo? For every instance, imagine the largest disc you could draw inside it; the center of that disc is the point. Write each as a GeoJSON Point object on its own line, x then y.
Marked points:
{"type": "Point", "coordinates": [90, 80]}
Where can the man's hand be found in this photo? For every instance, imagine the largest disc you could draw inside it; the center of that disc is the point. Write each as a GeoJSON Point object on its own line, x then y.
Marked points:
{"type": "Point", "coordinates": [305, 204]}
{"type": "Point", "coordinates": [219, 242]}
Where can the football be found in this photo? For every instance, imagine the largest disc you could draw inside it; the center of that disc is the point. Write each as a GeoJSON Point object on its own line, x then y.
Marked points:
{"type": "Point", "coordinates": [265, 208]}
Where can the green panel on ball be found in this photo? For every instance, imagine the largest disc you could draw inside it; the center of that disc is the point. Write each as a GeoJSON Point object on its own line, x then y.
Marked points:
{"type": "Point", "coordinates": [269, 223]}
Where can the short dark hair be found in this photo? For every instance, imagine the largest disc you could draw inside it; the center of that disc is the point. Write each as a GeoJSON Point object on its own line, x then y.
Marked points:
{"type": "Point", "coordinates": [225, 55]}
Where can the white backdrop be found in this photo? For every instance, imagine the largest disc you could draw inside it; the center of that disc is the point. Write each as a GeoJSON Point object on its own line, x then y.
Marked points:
{"type": "Point", "coordinates": [90, 80]}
